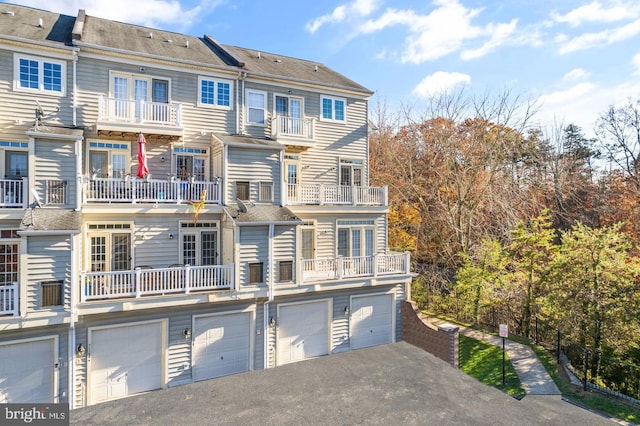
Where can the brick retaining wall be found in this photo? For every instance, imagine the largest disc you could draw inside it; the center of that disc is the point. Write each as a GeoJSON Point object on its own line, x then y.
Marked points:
{"type": "Point", "coordinates": [441, 340]}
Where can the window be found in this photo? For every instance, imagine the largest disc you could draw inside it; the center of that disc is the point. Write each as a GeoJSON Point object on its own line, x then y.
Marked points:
{"type": "Point", "coordinates": [51, 293]}
{"type": "Point", "coordinates": [308, 240]}
{"type": "Point", "coordinates": [110, 247]}
{"type": "Point", "coordinates": [56, 191]}
{"type": "Point", "coordinates": [16, 164]}
{"type": "Point", "coordinates": [333, 109]}
{"type": "Point", "coordinates": [130, 91]}
{"type": "Point", "coordinates": [289, 113]}
{"type": "Point", "coordinates": [214, 92]}
{"type": "Point", "coordinates": [356, 238]}
{"type": "Point", "coordinates": [243, 191]}
{"type": "Point", "coordinates": [39, 75]}
{"type": "Point", "coordinates": [108, 159]}
{"type": "Point", "coordinates": [351, 172]}
{"type": "Point", "coordinates": [256, 273]}
{"type": "Point", "coordinates": [8, 262]}
{"type": "Point", "coordinates": [265, 193]}
{"type": "Point", "coordinates": [256, 108]}
{"type": "Point", "coordinates": [191, 162]}
{"type": "Point", "coordinates": [199, 243]}
{"type": "Point", "coordinates": [285, 271]}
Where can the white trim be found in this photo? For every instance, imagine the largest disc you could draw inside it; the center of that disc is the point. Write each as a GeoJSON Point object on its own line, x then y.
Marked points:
{"type": "Point", "coordinates": [41, 61]}
{"type": "Point", "coordinates": [215, 105]}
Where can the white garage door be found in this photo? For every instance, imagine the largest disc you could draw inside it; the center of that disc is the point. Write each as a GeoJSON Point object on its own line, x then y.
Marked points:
{"type": "Point", "coordinates": [371, 320]}
{"type": "Point", "coordinates": [125, 360]}
{"type": "Point", "coordinates": [303, 331]}
{"type": "Point", "coordinates": [27, 371]}
{"type": "Point", "coordinates": [221, 345]}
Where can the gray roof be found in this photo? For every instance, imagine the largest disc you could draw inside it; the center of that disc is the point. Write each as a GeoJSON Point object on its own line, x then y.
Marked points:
{"type": "Point", "coordinates": [46, 219]}
{"type": "Point", "coordinates": [23, 22]}
{"type": "Point", "coordinates": [247, 140]}
{"type": "Point", "coordinates": [246, 213]}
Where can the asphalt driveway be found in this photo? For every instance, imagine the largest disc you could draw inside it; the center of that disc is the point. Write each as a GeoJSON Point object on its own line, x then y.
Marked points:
{"type": "Point", "coordinates": [391, 384]}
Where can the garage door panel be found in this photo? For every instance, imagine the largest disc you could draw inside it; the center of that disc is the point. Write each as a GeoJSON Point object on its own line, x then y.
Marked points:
{"type": "Point", "coordinates": [125, 360]}
{"type": "Point", "coordinates": [303, 331]}
{"type": "Point", "coordinates": [371, 320]}
{"type": "Point", "coordinates": [26, 371]}
{"type": "Point", "coordinates": [221, 345]}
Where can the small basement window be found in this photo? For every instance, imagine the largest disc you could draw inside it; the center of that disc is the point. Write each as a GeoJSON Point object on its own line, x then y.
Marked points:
{"type": "Point", "coordinates": [256, 273]}
{"type": "Point", "coordinates": [51, 293]}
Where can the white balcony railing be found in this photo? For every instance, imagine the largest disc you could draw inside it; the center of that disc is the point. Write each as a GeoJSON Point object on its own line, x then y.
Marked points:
{"type": "Point", "coordinates": [137, 111]}
{"type": "Point", "coordinates": [13, 193]}
{"type": "Point", "coordinates": [352, 267]}
{"type": "Point", "coordinates": [109, 190]}
{"type": "Point", "coordinates": [294, 127]}
{"type": "Point", "coordinates": [9, 299]}
{"type": "Point", "coordinates": [156, 281]}
{"type": "Point", "coordinates": [302, 194]}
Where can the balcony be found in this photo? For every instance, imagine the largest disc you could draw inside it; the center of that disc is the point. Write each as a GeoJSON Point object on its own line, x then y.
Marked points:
{"type": "Point", "coordinates": [9, 299]}
{"type": "Point", "coordinates": [314, 270]}
{"type": "Point", "coordinates": [156, 281]}
{"type": "Point", "coordinates": [293, 131]}
{"type": "Point", "coordinates": [13, 193]}
{"type": "Point", "coordinates": [322, 194]}
{"type": "Point", "coordinates": [170, 191]}
{"type": "Point", "coordinates": [139, 116]}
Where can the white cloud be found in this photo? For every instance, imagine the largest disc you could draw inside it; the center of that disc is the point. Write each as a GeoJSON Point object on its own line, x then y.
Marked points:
{"type": "Point", "coordinates": [150, 13]}
{"type": "Point", "coordinates": [564, 96]}
{"type": "Point", "coordinates": [500, 33]}
{"type": "Point", "coordinates": [636, 63]}
{"type": "Point", "coordinates": [343, 12]}
{"type": "Point", "coordinates": [602, 38]}
{"type": "Point", "coordinates": [576, 74]}
{"type": "Point", "coordinates": [440, 82]}
{"type": "Point", "coordinates": [596, 12]}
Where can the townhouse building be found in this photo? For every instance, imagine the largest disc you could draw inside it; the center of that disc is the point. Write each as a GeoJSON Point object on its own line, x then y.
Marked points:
{"type": "Point", "coordinates": [174, 209]}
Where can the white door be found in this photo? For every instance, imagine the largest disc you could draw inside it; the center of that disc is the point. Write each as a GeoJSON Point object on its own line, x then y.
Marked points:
{"type": "Point", "coordinates": [303, 331]}
{"type": "Point", "coordinates": [221, 345]}
{"type": "Point", "coordinates": [125, 360]}
{"type": "Point", "coordinates": [371, 320]}
{"type": "Point", "coordinates": [27, 371]}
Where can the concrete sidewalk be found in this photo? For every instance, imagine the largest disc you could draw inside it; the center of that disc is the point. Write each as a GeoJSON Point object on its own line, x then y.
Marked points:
{"type": "Point", "coordinates": [533, 376]}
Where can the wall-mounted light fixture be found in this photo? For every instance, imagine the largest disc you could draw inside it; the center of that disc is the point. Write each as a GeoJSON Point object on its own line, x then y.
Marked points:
{"type": "Point", "coordinates": [346, 310]}
{"type": "Point", "coordinates": [187, 333]}
{"type": "Point", "coordinates": [272, 322]}
{"type": "Point", "coordinates": [142, 69]}
{"type": "Point", "coordinates": [171, 236]}
{"type": "Point", "coordinates": [163, 159]}
{"type": "Point", "coordinates": [80, 350]}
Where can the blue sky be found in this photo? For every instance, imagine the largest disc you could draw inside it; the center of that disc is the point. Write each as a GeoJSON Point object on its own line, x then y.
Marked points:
{"type": "Point", "coordinates": [574, 57]}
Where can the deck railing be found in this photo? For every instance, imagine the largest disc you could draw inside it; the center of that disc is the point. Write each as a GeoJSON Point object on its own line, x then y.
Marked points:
{"type": "Point", "coordinates": [352, 267]}
{"type": "Point", "coordinates": [138, 111]}
{"type": "Point", "coordinates": [9, 299]}
{"type": "Point", "coordinates": [320, 194]}
{"type": "Point", "coordinates": [108, 190]}
{"type": "Point", "coordinates": [291, 126]}
{"type": "Point", "coordinates": [156, 281]}
{"type": "Point", "coordinates": [13, 193]}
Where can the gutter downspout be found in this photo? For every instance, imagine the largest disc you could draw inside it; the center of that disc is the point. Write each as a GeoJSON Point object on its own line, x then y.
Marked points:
{"type": "Point", "coordinates": [74, 98]}
{"type": "Point", "coordinates": [78, 148]}
{"type": "Point", "coordinates": [265, 333]}
{"type": "Point", "coordinates": [225, 173]}
{"type": "Point", "coordinates": [72, 325]}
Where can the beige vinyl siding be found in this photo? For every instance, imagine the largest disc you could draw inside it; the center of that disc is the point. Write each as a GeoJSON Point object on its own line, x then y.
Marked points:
{"type": "Point", "coordinates": [284, 247]}
{"type": "Point", "coordinates": [17, 107]}
{"type": "Point", "coordinates": [179, 360]}
{"type": "Point", "coordinates": [48, 259]}
{"type": "Point", "coordinates": [254, 247]}
{"type": "Point", "coordinates": [93, 79]}
{"type": "Point", "coordinates": [340, 324]}
{"type": "Point", "coordinates": [55, 161]}
{"type": "Point", "coordinates": [254, 166]}
{"type": "Point", "coordinates": [400, 296]}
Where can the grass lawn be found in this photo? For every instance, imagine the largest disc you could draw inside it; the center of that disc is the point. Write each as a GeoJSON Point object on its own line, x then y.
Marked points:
{"type": "Point", "coordinates": [483, 362]}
